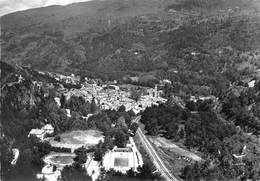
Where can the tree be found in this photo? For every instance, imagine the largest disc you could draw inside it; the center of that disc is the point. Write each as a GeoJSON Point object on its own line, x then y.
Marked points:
{"type": "Point", "coordinates": [152, 128]}
{"type": "Point", "coordinates": [54, 168]}
{"type": "Point", "coordinates": [191, 172]}
{"type": "Point", "coordinates": [131, 113]}
{"type": "Point", "coordinates": [102, 176]}
{"type": "Point", "coordinates": [108, 143]}
{"type": "Point", "coordinates": [145, 172]}
{"type": "Point", "coordinates": [57, 138]}
{"type": "Point", "coordinates": [100, 121]}
{"type": "Point", "coordinates": [79, 124]}
{"type": "Point", "coordinates": [93, 106]}
{"type": "Point", "coordinates": [23, 168]}
{"type": "Point", "coordinates": [126, 117]}
{"type": "Point", "coordinates": [182, 133]}
{"type": "Point", "coordinates": [81, 155]}
{"type": "Point", "coordinates": [171, 129]}
{"type": "Point", "coordinates": [42, 148]}
{"type": "Point", "coordinates": [167, 90]}
{"type": "Point", "coordinates": [130, 173]}
{"type": "Point", "coordinates": [6, 158]}
{"type": "Point", "coordinates": [74, 172]}
{"type": "Point", "coordinates": [62, 101]}
{"type": "Point", "coordinates": [111, 175]}
{"type": "Point", "coordinates": [52, 92]}
{"type": "Point", "coordinates": [191, 105]}
{"type": "Point", "coordinates": [121, 109]}
{"type": "Point", "coordinates": [204, 105]}
{"type": "Point", "coordinates": [98, 154]}
{"type": "Point", "coordinates": [121, 122]}
{"type": "Point", "coordinates": [82, 78]}
{"type": "Point", "coordinates": [134, 127]}
{"type": "Point", "coordinates": [120, 139]}
{"type": "Point", "coordinates": [136, 95]}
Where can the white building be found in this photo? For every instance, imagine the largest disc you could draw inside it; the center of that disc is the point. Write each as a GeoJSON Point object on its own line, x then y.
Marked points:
{"type": "Point", "coordinates": [48, 174]}
{"type": "Point", "coordinates": [48, 128]}
{"type": "Point", "coordinates": [166, 81]}
{"type": "Point", "coordinates": [16, 155]}
{"type": "Point", "coordinates": [39, 133]}
{"type": "Point", "coordinates": [20, 79]}
{"type": "Point", "coordinates": [252, 83]}
{"type": "Point", "coordinates": [68, 112]}
{"type": "Point", "coordinates": [57, 100]}
{"type": "Point", "coordinates": [105, 106]}
{"type": "Point", "coordinates": [123, 159]}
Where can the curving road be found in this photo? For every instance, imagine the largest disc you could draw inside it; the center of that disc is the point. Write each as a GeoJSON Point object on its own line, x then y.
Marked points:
{"type": "Point", "coordinates": [156, 159]}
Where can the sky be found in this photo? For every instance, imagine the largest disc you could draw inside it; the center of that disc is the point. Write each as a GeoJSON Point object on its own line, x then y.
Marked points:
{"type": "Point", "coordinates": [9, 6]}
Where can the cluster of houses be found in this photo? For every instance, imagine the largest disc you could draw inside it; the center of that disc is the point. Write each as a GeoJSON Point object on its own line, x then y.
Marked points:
{"type": "Point", "coordinates": [210, 97]}
{"type": "Point", "coordinates": [114, 96]}
{"type": "Point", "coordinates": [70, 79]}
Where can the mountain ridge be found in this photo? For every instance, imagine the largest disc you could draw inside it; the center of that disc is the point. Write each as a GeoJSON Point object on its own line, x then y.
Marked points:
{"type": "Point", "coordinates": [49, 41]}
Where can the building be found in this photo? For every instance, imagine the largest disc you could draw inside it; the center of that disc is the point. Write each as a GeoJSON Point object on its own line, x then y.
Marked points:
{"type": "Point", "coordinates": [104, 106]}
{"type": "Point", "coordinates": [39, 133]}
{"type": "Point", "coordinates": [123, 159]}
{"type": "Point", "coordinates": [145, 20]}
{"type": "Point", "coordinates": [136, 110]}
{"type": "Point", "coordinates": [20, 79]}
{"type": "Point", "coordinates": [113, 87]}
{"type": "Point", "coordinates": [68, 112]}
{"type": "Point", "coordinates": [86, 117]}
{"type": "Point", "coordinates": [16, 155]}
{"type": "Point", "coordinates": [48, 128]}
{"type": "Point", "coordinates": [57, 100]}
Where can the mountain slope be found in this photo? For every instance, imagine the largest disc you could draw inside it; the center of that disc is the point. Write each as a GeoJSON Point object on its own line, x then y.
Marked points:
{"type": "Point", "coordinates": [47, 38]}
{"type": "Point", "coordinates": [78, 17]}
{"type": "Point", "coordinates": [210, 4]}
{"type": "Point", "coordinates": [104, 37]}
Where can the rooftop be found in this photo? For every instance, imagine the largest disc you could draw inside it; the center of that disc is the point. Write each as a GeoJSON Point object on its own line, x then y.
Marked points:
{"type": "Point", "coordinates": [37, 131]}
{"type": "Point", "coordinates": [48, 126]}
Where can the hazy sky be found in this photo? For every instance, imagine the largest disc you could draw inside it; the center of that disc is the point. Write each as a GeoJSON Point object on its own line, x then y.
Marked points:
{"type": "Point", "coordinates": [9, 6]}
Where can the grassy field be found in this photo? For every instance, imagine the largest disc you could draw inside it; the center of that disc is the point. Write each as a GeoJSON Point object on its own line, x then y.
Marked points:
{"type": "Point", "coordinates": [162, 142]}
{"type": "Point", "coordinates": [244, 65]}
{"type": "Point", "coordinates": [75, 139]}
{"type": "Point", "coordinates": [171, 160]}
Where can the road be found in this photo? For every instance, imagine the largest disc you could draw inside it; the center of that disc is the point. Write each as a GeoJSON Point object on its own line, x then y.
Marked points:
{"type": "Point", "coordinates": [156, 159]}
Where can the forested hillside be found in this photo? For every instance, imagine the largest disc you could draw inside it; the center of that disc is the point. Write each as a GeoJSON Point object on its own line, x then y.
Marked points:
{"type": "Point", "coordinates": [217, 138]}
{"type": "Point", "coordinates": [202, 47]}
{"type": "Point", "coordinates": [29, 103]}
{"type": "Point", "coordinates": [109, 39]}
